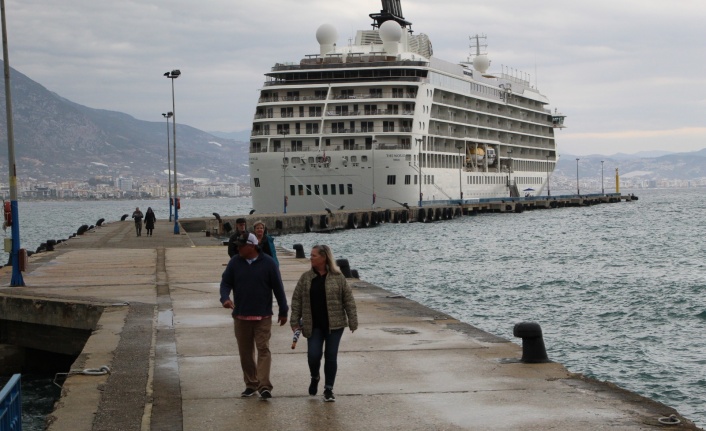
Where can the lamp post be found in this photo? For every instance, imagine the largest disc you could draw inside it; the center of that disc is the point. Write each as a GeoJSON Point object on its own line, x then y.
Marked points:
{"type": "Point", "coordinates": [174, 74]}
{"type": "Point", "coordinates": [16, 279]}
{"type": "Point", "coordinates": [168, 115]}
{"type": "Point", "coordinates": [459, 145]}
{"type": "Point", "coordinates": [549, 192]}
{"type": "Point", "coordinates": [284, 170]}
{"type": "Point", "coordinates": [509, 169]}
{"type": "Point", "coordinates": [602, 188]}
{"type": "Point", "coordinates": [578, 191]}
{"type": "Point", "coordinates": [419, 168]}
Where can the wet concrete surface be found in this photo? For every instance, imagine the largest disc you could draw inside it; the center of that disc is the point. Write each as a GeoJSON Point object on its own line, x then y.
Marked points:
{"type": "Point", "coordinates": [175, 365]}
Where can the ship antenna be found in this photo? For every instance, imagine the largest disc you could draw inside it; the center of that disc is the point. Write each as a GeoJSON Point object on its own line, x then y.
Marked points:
{"type": "Point", "coordinates": [391, 10]}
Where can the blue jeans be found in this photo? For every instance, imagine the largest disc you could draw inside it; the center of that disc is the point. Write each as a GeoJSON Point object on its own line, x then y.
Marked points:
{"type": "Point", "coordinates": [315, 350]}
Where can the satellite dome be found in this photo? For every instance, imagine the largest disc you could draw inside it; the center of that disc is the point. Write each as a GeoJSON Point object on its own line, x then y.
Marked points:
{"type": "Point", "coordinates": [481, 63]}
{"type": "Point", "coordinates": [390, 31]}
{"type": "Point", "coordinates": [326, 34]}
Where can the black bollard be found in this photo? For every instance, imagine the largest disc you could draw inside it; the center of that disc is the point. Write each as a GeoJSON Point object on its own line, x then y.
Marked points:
{"type": "Point", "coordinates": [81, 230]}
{"type": "Point", "coordinates": [123, 217]}
{"type": "Point", "coordinates": [50, 244]}
{"type": "Point", "coordinates": [345, 267]}
{"type": "Point", "coordinates": [354, 273]}
{"type": "Point", "coordinates": [300, 251]}
{"type": "Point", "coordinates": [533, 351]}
{"type": "Point", "coordinates": [100, 221]}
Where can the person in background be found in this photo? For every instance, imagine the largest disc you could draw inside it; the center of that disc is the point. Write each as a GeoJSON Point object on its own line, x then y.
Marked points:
{"type": "Point", "coordinates": [240, 227]}
{"type": "Point", "coordinates": [137, 215]}
{"type": "Point", "coordinates": [325, 303]}
{"type": "Point", "coordinates": [253, 277]}
{"type": "Point", "coordinates": [150, 219]}
{"type": "Point", "coordinates": [267, 244]}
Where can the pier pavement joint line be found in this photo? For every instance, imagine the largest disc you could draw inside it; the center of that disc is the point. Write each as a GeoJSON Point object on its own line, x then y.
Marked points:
{"type": "Point", "coordinates": [167, 400]}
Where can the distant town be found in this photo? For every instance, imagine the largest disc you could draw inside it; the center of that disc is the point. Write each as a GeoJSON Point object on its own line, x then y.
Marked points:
{"type": "Point", "coordinates": [137, 188]}
{"type": "Point", "coordinates": [121, 188]}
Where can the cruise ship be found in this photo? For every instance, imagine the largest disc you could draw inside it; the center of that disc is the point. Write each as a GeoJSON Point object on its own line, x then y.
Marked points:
{"type": "Point", "coordinates": [380, 122]}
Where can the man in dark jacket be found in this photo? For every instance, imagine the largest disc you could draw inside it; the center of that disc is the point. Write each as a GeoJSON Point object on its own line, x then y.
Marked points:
{"type": "Point", "coordinates": [253, 277]}
{"type": "Point", "coordinates": [240, 227]}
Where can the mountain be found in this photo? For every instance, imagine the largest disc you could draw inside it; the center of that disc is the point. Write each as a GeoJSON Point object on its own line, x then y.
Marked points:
{"type": "Point", "coordinates": [241, 136]}
{"type": "Point", "coordinates": [56, 139]}
{"type": "Point", "coordinates": [672, 166]}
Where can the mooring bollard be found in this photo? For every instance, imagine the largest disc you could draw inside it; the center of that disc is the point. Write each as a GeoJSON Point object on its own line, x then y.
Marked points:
{"type": "Point", "coordinates": [300, 251]}
{"type": "Point", "coordinates": [533, 351]}
{"type": "Point", "coordinates": [345, 267]}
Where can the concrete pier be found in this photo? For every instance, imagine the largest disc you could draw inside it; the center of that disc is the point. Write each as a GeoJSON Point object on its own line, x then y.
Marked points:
{"type": "Point", "coordinates": [156, 322]}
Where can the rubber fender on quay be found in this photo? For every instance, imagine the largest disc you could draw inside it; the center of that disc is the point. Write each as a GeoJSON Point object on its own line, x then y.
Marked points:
{"type": "Point", "coordinates": [42, 247]}
{"type": "Point", "coordinates": [404, 216]}
{"type": "Point", "coordinates": [437, 214]}
{"type": "Point", "coordinates": [422, 215]}
{"type": "Point", "coordinates": [457, 212]}
{"type": "Point", "coordinates": [278, 224]}
{"type": "Point", "coordinates": [323, 221]}
{"type": "Point", "coordinates": [308, 223]}
{"type": "Point", "coordinates": [388, 216]}
{"type": "Point", "coordinates": [352, 221]}
{"type": "Point", "coordinates": [100, 221]}
{"type": "Point", "coordinates": [81, 230]}
{"type": "Point", "coordinates": [430, 215]}
{"type": "Point", "coordinates": [365, 220]}
{"type": "Point", "coordinates": [508, 207]}
{"type": "Point", "coordinates": [373, 219]}
{"type": "Point", "coordinates": [519, 208]}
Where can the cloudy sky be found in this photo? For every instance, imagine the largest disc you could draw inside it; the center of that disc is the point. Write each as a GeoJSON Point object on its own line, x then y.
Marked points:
{"type": "Point", "coordinates": [630, 75]}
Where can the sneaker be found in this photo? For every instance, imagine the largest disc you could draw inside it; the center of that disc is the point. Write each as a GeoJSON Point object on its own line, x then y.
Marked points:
{"type": "Point", "coordinates": [328, 396]}
{"type": "Point", "coordinates": [314, 386]}
{"type": "Point", "coordinates": [265, 394]}
{"type": "Point", "coordinates": [248, 392]}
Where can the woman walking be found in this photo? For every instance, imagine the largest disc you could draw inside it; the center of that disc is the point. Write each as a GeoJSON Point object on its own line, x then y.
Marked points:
{"type": "Point", "coordinates": [324, 302]}
{"type": "Point", "coordinates": [267, 244]}
{"type": "Point", "coordinates": [150, 218]}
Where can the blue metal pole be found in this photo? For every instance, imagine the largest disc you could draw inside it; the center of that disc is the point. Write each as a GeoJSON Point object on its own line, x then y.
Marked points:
{"type": "Point", "coordinates": [16, 279]}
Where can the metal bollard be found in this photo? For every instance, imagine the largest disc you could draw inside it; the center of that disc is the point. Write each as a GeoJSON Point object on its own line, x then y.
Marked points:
{"type": "Point", "coordinates": [533, 351]}
{"type": "Point", "coordinates": [345, 267]}
{"type": "Point", "coordinates": [50, 244]}
{"type": "Point", "coordinates": [300, 251]}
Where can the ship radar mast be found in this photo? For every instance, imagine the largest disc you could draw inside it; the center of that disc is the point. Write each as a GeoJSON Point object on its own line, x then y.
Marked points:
{"type": "Point", "coordinates": [480, 61]}
{"type": "Point", "coordinates": [391, 11]}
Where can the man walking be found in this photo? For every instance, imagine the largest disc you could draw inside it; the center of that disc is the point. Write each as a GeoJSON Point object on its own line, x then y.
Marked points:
{"type": "Point", "coordinates": [253, 277]}
{"type": "Point", "coordinates": [137, 215]}
{"type": "Point", "coordinates": [240, 227]}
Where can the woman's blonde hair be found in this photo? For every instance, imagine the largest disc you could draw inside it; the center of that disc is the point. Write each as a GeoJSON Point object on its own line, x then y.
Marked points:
{"type": "Point", "coordinates": [259, 222]}
{"type": "Point", "coordinates": [330, 260]}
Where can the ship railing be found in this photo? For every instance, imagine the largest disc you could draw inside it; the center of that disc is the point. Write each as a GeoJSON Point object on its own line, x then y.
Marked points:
{"type": "Point", "coordinates": [11, 404]}
{"type": "Point", "coordinates": [380, 95]}
{"type": "Point", "coordinates": [368, 112]}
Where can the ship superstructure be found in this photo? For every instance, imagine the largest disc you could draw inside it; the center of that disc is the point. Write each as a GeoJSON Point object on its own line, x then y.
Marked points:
{"type": "Point", "coordinates": [381, 122]}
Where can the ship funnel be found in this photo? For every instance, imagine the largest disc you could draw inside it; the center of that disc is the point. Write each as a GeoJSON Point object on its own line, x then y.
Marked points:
{"type": "Point", "coordinates": [326, 35]}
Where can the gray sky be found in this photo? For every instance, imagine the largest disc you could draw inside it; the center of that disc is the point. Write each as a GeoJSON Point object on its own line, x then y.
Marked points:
{"type": "Point", "coordinates": [630, 75]}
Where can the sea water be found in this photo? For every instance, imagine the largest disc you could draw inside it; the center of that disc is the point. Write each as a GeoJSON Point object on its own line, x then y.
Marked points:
{"type": "Point", "coordinates": [617, 288]}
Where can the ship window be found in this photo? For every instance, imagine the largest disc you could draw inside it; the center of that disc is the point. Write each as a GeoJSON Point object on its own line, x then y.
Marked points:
{"type": "Point", "coordinates": [311, 160]}
{"type": "Point", "coordinates": [391, 180]}
{"type": "Point", "coordinates": [333, 189]}
{"type": "Point", "coordinates": [283, 129]}
{"type": "Point", "coordinates": [316, 189]}
{"type": "Point", "coordinates": [341, 189]}
{"type": "Point", "coordinates": [354, 159]}
{"type": "Point", "coordinates": [325, 188]}
{"type": "Point", "coordinates": [328, 142]}
{"type": "Point", "coordinates": [312, 128]}
{"type": "Point", "coordinates": [301, 190]}
{"type": "Point", "coordinates": [363, 158]}
{"type": "Point", "coordinates": [296, 160]}
{"type": "Point", "coordinates": [276, 145]}
{"type": "Point", "coordinates": [257, 182]}
{"type": "Point", "coordinates": [337, 127]}
{"type": "Point", "coordinates": [292, 190]}
{"type": "Point", "coordinates": [256, 147]}
{"type": "Point", "coordinates": [376, 92]}
{"type": "Point", "coordinates": [388, 126]}
{"type": "Point", "coordinates": [370, 109]}
{"type": "Point", "coordinates": [366, 126]}
{"type": "Point", "coordinates": [296, 145]}
{"type": "Point", "coordinates": [314, 111]}
{"type": "Point", "coordinates": [350, 189]}
{"type": "Point", "coordinates": [348, 144]}
{"type": "Point", "coordinates": [308, 190]}
{"type": "Point", "coordinates": [415, 180]}
{"type": "Point", "coordinates": [408, 179]}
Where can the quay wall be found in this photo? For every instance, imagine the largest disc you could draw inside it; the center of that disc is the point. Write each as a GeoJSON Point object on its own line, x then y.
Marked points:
{"type": "Point", "coordinates": [330, 220]}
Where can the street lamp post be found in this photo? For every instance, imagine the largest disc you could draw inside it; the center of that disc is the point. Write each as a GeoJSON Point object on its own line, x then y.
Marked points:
{"type": "Point", "coordinates": [578, 191]}
{"type": "Point", "coordinates": [460, 169]}
{"type": "Point", "coordinates": [16, 279]}
{"type": "Point", "coordinates": [284, 171]}
{"type": "Point", "coordinates": [549, 192]}
{"type": "Point", "coordinates": [602, 188]}
{"type": "Point", "coordinates": [419, 168]}
{"type": "Point", "coordinates": [168, 115]}
{"type": "Point", "coordinates": [509, 169]}
{"type": "Point", "coordinates": [174, 74]}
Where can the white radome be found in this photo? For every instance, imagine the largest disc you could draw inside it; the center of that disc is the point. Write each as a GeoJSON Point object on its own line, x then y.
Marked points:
{"type": "Point", "coordinates": [390, 31]}
{"type": "Point", "coordinates": [326, 34]}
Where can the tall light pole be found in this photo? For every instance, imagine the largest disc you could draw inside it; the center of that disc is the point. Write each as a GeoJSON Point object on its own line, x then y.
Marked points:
{"type": "Point", "coordinates": [549, 192]}
{"type": "Point", "coordinates": [16, 279]}
{"type": "Point", "coordinates": [174, 74]}
{"type": "Point", "coordinates": [284, 170]}
{"type": "Point", "coordinates": [602, 188]}
{"type": "Point", "coordinates": [419, 168]}
{"type": "Point", "coordinates": [168, 115]}
{"type": "Point", "coordinates": [460, 169]}
{"type": "Point", "coordinates": [578, 192]}
{"type": "Point", "coordinates": [509, 170]}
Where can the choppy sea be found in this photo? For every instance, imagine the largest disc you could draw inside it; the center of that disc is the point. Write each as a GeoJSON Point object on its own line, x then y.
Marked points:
{"type": "Point", "coordinates": [618, 289]}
